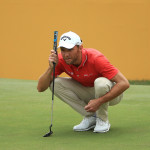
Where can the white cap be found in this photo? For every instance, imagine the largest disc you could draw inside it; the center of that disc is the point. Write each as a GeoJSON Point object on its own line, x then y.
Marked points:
{"type": "Point", "coordinates": [69, 40]}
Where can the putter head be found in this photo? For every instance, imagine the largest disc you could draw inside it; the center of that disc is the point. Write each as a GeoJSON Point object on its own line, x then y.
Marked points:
{"type": "Point", "coordinates": [48, 134]}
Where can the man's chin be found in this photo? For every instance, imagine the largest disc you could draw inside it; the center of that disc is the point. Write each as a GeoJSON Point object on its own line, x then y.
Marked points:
{"type": "Point", "coordinates": [68, 62]}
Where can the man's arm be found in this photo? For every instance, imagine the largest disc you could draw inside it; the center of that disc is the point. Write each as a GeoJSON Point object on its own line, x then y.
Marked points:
{"type": "Point", "coordinates": [121, 85]}
{"type": "Point", "coordinates": [46, 78]}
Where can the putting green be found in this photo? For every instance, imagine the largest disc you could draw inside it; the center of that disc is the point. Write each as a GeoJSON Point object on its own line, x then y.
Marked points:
{"type": "Point", "coordinates": [25, 118]}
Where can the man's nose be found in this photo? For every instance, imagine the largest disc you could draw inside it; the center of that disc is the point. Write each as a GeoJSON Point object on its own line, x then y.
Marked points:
{"type": "Point", "coordinates": [67, 54]}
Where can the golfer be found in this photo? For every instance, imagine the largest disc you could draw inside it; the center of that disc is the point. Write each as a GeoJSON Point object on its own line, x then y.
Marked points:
{"type": "Point", "coordinates": [93, 85]}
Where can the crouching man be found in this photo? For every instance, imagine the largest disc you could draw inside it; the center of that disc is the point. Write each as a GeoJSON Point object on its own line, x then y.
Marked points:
{"type": "Point", "coordinates": [93, 85]}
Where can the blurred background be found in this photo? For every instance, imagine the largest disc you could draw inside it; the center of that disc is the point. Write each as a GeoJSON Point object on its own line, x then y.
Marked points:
{"type": "Point", "coordinates": [120, 29]}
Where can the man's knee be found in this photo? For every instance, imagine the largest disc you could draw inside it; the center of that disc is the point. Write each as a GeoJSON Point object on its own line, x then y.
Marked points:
{"type": "Point", "coordinates": [57, 83]}
{"type": "Point", "coordinates": [102, 86]}
{"type": "Point", "coordinates": [103, 83]}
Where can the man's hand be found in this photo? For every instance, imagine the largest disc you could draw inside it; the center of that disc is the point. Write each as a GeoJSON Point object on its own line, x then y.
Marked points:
{"type": "Point", "coordinates": [121, 85]}
{"type": "Point", "coordinates": [53, 58]}
{"type": "Point", "coordinates": [93, 105]}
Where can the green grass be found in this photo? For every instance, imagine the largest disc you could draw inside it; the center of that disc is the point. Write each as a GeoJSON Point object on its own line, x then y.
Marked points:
{"type": "Point", "coordinates": [139, 82]}
{"type": "Point", "coordinates": [25, 118]}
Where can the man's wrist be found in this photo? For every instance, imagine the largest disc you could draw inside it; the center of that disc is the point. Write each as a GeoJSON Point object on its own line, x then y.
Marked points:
{"type": "Point", "coordinates": [49, 70]}
{"type": "Point", "coordinates": [100, 101]}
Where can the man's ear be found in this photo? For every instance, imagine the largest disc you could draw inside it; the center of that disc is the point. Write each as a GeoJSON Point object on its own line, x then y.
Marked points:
{"type": "Point", "coordinates": [80, 47]}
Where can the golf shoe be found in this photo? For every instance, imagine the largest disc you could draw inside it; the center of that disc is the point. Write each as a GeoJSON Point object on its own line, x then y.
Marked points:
{"type": "Point", "coordinates": [86, 124]}
{"type": "Point", "coordinates": [101, 126]}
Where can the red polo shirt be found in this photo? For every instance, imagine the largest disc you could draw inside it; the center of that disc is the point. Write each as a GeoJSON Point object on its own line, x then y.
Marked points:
{"type": "Point", "coordinates": [94, 64]}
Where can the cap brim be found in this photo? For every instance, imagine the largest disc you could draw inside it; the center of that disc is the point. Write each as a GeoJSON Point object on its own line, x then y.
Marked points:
{"type": "Point", "coordinates": [66, 45]}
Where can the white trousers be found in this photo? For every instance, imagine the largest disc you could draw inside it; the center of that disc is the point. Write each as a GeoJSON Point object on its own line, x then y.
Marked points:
{"type": "Point", "coordinates": [78, 96]}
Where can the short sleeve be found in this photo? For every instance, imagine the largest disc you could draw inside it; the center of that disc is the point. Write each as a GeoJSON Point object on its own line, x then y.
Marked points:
{"type": "Point", "coordinates": [105, 68]}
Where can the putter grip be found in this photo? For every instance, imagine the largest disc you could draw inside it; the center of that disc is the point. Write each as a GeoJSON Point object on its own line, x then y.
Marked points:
{"type": "Point", "coordinates": [55, 41]}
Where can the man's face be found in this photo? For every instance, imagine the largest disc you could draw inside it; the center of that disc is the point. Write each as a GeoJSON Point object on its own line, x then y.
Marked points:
{"type": "Point", "coordinates": [72, 56]}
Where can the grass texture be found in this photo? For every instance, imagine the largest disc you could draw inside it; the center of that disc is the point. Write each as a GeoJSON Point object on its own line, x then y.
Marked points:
{"type": "Point", "coordinates": [25, 118]}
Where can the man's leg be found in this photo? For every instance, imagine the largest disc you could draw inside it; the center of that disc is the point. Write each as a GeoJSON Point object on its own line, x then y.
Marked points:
{"type": "Point", "coordinates": [74, 94]}
{"type": "Point", "coordinates": [102, 86]}
{"type": "Point", "coordinates": [77, 96]}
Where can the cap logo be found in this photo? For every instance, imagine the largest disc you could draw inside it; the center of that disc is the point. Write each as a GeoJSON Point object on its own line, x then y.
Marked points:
{"type": "Point", "coordinates": [65, 38]}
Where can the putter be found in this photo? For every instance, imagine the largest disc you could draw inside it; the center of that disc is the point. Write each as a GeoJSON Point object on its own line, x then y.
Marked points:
{"type": "Point", "coordinates": [55, 48]}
